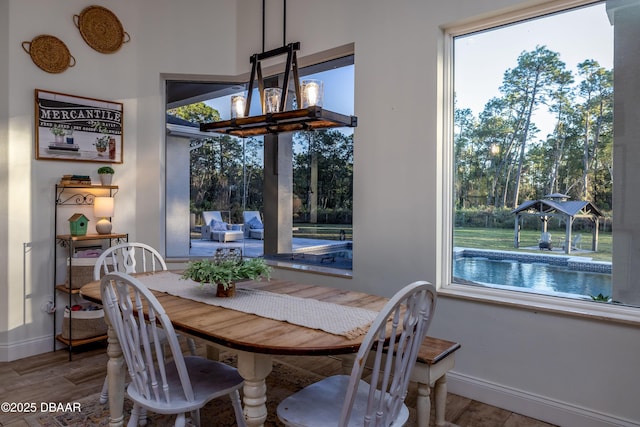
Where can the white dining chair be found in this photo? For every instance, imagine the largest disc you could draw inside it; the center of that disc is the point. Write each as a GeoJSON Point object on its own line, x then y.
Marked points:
{"type": "Point", "coordinates": [129, 258]}
{"type": "Point", "coordinates": [389, 351]}
{"type": "Point", "coordinates": [185, 383]}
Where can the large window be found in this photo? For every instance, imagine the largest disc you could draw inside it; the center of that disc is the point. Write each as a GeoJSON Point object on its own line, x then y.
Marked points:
{"type": "Point", "coordinates": [533, 154]}
{"type": "Point", "coordinates": [210, 172]}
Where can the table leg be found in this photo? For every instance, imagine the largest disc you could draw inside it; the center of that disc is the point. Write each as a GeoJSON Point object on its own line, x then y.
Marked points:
{"type": "Point", "coordinates": [423, 405]}
{"type": "Point", "coordinates": [115, 377]}
{"type": "Point", "coordinates": [440, 400]}
{"type": "Point", "coordinates": [254, 368]}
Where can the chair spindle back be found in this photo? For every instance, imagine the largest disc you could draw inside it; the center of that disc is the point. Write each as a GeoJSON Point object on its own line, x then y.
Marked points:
{"type": "Point", "coordinates": [392, 344]}
{"type": "Point", "coordinates": [129, 258]}
{"type": "Point", "coordinates": [137, 317]}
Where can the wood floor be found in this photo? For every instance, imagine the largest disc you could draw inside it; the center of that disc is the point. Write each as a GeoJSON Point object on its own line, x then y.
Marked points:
{"type": "Point", "coordinates": [51, 377]}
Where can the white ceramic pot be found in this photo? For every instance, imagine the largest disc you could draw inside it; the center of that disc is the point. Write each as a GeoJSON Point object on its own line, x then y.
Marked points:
{"type": "Point", "coordinates": [105, 178]}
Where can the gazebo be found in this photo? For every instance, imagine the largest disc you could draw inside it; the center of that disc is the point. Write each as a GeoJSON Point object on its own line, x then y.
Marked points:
{"type": "Point", "coordinates": [557, 205]}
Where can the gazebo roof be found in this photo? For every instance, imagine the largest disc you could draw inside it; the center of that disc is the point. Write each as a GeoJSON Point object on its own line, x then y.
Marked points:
{"type": "Point", "coordinates": [557, 196]}
{"type": "Point", "coordinates": [549, 207]}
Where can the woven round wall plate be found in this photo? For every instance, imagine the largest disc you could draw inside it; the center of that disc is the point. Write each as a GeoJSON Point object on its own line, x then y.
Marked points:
{"type": "Point", "coordinates": [101, 29]}
{"type": "Point", "coordinates": [49, 53]}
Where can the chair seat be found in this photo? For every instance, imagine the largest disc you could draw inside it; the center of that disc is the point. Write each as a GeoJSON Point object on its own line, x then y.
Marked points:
{"type": "Point", "coordinates": [319, 404]}
{"type": "Point", "coordinates": [209, 379]}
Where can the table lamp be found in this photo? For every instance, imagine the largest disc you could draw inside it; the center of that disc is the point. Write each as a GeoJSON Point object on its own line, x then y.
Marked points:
{"type": "Point", "coordinates": [103, 209]}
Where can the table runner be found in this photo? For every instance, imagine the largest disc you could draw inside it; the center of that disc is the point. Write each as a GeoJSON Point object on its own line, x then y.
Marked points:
{"type": "Point", "coordinates": [336, 319]}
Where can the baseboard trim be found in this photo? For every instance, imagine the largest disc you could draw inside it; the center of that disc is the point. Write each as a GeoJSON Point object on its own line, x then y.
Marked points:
{"type": "Point", "coordinates": [530, 405]}
{"type": "Point", "coordinates": [19, 350]}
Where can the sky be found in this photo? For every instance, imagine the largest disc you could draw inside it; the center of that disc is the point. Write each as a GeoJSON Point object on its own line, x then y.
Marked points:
{"type": "Point", "coordinates": [482, 58]}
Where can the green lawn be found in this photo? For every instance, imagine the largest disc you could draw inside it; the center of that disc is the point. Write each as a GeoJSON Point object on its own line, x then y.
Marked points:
{"type": "Point", "coordinates": [502, 239]}
{"type": "Point", "coordinates": [468, 237]}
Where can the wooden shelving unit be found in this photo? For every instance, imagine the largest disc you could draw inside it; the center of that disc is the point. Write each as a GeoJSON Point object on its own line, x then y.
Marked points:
{"type": "Point", "coordinates": [65, 289]}
{"type": "Point", "coordinates": [77, 343]}
{"type": "Point", "coordinates": [79, 195]}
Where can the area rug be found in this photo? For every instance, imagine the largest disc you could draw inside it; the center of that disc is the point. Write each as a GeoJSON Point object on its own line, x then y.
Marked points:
{"type": "Point", "coordinates": [283, 381]}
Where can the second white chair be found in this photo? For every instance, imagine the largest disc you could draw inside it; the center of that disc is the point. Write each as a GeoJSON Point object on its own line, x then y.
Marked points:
{"type": "Point", "coordinates": [404, 320]}
{"type": "Point", "coordinates": [129, 258]}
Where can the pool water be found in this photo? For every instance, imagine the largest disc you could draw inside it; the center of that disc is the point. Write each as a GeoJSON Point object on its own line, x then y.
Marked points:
{"type": "Point", "coordinates": [534, 276]}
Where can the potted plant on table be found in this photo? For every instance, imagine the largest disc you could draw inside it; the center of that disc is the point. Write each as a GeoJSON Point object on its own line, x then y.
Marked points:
{"type": "Point", "coordinates": [106, 174]}
{"type": "Point", "coordinates": [223, 274]}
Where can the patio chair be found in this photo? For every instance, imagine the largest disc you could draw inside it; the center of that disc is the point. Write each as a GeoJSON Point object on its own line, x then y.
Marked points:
{"type": "Point", "coordinates": [253, 226]}
{"type": "Point", "coordinates": [185, 384]}
{"type": "Point", "coordinates": [129, 258]}
{"type": "Point", "coordinates": [381, 400]}
{"type": "Point", "coordinates": [214, 228]}
{"type": "Point", "coordinates": [576, 242]}
{"type": "Point", "coordinates": [545, 241]}
{"type": "Point", "coordinates": [207, 219]}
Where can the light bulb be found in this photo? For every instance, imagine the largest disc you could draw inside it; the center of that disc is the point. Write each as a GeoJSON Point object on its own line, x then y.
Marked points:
{"type": "Point", "coordinates": [312, 91]}
{"type": "Point", "coordinates": [238, 104]}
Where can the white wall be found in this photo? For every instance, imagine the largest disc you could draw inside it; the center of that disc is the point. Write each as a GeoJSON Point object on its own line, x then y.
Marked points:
{"type": "Point", "coordinates": [4, 159]}
{"type": "Point", "coordinates": [162, 41]}
{"type": "Point", "coordinates": [568, 371]}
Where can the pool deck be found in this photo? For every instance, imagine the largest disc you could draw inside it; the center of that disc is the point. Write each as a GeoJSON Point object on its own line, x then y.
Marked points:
{"type": "Point", "coordinates": [255, 248]}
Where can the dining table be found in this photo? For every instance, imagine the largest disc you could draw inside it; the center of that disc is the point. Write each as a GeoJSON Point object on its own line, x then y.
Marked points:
{"type": "Point", "coordinates": [256, 329]}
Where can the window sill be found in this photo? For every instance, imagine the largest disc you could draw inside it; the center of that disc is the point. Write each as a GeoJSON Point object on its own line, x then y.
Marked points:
{"type": "Point", "coordinates": [314, 269]}
{"type": "Point", "coordinates": [565, 306]}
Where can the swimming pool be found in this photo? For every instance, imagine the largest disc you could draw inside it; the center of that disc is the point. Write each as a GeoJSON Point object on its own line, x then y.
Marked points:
{"type": "Point", "coordinates": [536, 273]}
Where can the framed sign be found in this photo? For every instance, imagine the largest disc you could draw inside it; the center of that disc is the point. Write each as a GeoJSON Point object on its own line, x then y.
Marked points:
{"type": "Point", "coordinates": [74, 128]}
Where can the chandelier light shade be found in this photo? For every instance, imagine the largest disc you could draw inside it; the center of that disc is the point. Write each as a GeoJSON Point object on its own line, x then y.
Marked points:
{"type": "Point", "coordinates": [238, 104]}
{"type": "Point", "coordinates": [103, 209]}
{"type": "Point", "coordinates": [274, 118]}
{"type": "Point", "coordinates": [272, 96]}
{"type": "Point", "coordinates": [312, 93]}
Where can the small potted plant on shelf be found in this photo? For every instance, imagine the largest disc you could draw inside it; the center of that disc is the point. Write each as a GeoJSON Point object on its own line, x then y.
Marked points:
{"type": "Point", "coordinates": [106, 174]}
{"type": "Point", "coordinates": [224, 273]}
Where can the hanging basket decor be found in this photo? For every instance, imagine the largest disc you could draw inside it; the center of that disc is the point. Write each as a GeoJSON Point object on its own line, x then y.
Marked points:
{"type": "Point", "coordinates": [49, 53]}
{"type": "Point", "coordinates": [101, 29]}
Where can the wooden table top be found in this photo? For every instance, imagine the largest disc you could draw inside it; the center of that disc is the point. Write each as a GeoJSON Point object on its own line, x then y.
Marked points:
{"type": "Point", "coordinates": [252, 333]}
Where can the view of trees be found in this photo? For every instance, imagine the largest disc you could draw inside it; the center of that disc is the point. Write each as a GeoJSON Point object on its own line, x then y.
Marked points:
{"type": "Point", "coordinates": [501, 159]}
{"type": "Point", "coordinates": [227, 172]}
{"type": "Point", "coordinates": [329, 155]}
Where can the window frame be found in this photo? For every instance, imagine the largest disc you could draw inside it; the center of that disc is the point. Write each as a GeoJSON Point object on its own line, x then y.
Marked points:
{"type": "Point", "coordinates": [325, 61]}
{"type": "Point", "coordinates": [527, 301]}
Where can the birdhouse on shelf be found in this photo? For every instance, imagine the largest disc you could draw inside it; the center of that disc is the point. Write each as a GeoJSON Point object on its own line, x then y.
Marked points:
{"type": "Point", "coordinates": [78, 224]}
